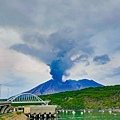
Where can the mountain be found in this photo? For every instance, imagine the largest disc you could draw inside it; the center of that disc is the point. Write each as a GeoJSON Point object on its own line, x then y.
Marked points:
{"type": "Point", "coordinates": [53, 86]}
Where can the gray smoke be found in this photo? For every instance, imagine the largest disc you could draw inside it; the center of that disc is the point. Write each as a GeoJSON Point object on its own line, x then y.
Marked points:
{"type": "Point", "coordinates": [57, 49]}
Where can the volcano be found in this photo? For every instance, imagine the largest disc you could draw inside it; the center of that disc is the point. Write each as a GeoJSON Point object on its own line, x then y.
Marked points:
{"type": "Point", "coordinates": [61, 52]}
{"type": "Point", "coordinates": [53, 86]}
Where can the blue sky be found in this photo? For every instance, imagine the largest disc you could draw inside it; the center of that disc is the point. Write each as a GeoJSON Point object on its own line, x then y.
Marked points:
{"type": "Point", "coordinates": [83, 34]}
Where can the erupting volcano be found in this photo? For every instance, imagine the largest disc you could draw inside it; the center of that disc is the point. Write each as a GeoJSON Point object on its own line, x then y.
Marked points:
{"type": "Point", "coordinates": [60, 51]}
{"type": "Point", "coordinates": [57, 85]}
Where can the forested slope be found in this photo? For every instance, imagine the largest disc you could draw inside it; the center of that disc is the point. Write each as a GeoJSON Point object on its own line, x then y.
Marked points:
{"type": "Point", "coordinates": [96, 98]}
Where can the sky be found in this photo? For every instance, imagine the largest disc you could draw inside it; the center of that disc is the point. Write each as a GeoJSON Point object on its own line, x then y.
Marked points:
{"type": "Point", "coordinates": [84, 35]}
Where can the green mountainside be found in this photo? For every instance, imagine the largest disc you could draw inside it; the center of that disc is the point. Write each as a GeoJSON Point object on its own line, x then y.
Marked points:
{"type": "Point", "coordinates": [89, 98]}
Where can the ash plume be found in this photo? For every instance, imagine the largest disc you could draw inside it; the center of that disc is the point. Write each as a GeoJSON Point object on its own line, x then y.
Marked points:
{"type": "Point", "coordinates": [56, 50]}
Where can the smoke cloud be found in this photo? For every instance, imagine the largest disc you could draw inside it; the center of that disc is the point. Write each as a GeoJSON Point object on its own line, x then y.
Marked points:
{"type": "Point", "coordinates": [59, 50]}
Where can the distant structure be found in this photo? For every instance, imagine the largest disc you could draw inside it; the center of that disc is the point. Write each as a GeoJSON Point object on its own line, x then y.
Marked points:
{"type": "Point", "coordinates": [26, 98]}
{"type": "Point", "coordinates": [0, 90]}
{"type": "Point", "coordinates": [4, 107]}
{"type": "Point", "coordinates": [42, 110]}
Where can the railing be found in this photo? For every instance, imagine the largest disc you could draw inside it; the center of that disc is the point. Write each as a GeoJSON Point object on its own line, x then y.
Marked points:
{"type": "Point", "coordinates": [26, 98]}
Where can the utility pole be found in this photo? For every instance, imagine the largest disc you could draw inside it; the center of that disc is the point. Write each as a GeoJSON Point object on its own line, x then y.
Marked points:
{"type": "Point", "coordinates": [0, 90]}
{"type": "Point", "coordinates": [8, 93]}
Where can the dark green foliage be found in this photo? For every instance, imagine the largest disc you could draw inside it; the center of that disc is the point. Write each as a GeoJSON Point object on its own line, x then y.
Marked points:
{"type": "Point", "coordinates": [96, 98]}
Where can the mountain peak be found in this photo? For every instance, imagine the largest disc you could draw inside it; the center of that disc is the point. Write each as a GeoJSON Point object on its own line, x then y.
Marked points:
{"type": "Point", "coordinates": [52, 86]}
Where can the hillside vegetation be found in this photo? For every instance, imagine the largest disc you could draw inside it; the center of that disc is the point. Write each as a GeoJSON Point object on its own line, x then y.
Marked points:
{"type": "Point", "coordinates": [89, 98]}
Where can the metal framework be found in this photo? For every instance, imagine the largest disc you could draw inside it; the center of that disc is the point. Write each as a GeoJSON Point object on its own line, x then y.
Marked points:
{"type": "Point", "coordinates": [26, 98]}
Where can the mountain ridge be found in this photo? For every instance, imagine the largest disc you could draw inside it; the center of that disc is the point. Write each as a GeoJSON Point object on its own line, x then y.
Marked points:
{"type": "Point", "coordinates": [53, 86]}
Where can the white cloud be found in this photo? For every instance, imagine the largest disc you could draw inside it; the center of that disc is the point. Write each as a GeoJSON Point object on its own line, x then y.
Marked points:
{"type": "Point", "coordinates": [8, 37]}
{"type": "Point", "coordinates": [17, 70]}
{"type": "Point", "coordinates": [100, 73]}
{"type": "Point", "coordinates": [89, 23]}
